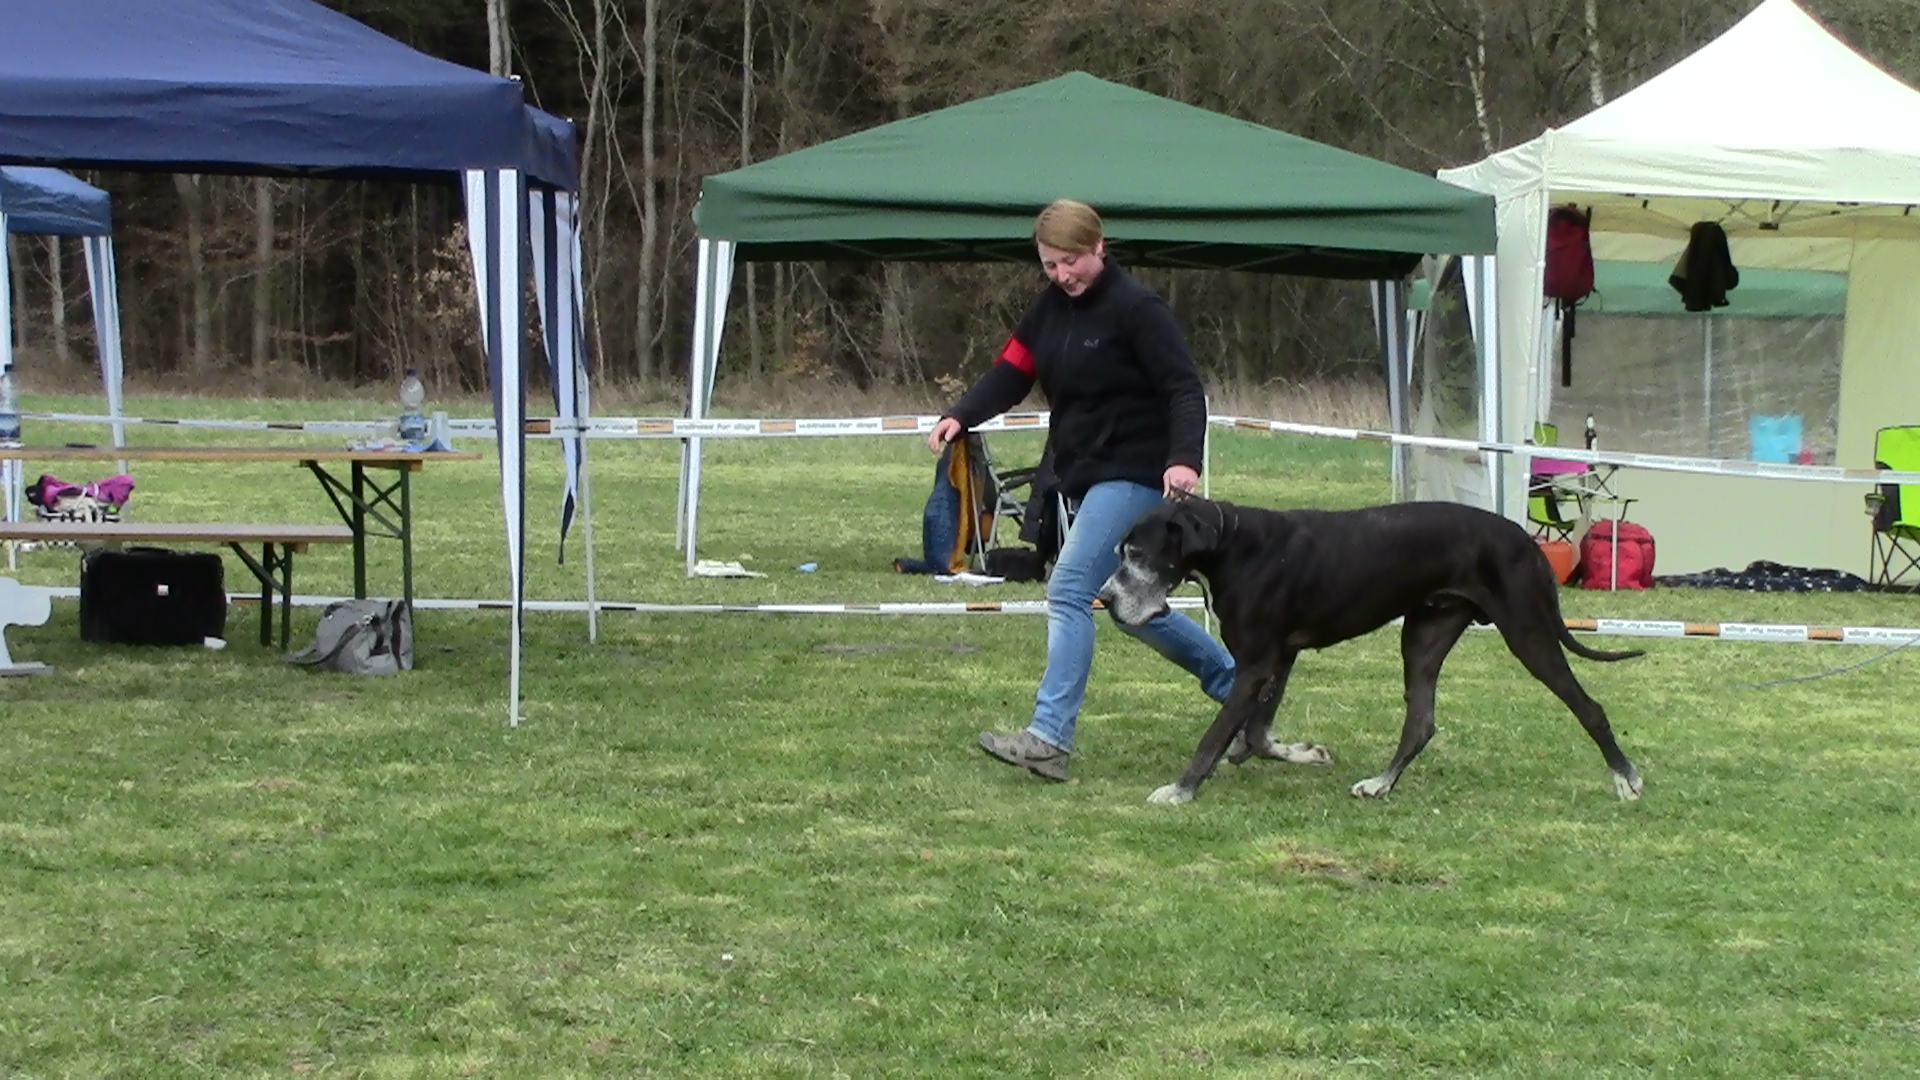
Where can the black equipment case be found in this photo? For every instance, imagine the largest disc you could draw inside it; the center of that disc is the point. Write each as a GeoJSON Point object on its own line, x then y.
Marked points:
{"type": "Point", "coordinates": [152, 596]}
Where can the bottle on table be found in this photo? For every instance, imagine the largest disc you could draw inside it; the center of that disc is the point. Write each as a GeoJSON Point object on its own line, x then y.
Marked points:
{"type": "Point", "coordinates": [413, 395]}
{"type": "Point", "coordinates": [9, 408]}
{"type": "Point", "coordinates": [1593, 436]}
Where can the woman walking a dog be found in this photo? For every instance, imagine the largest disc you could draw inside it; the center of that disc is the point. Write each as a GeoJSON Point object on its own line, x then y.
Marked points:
{"type": "Point", "coordinates": [1128, 425]}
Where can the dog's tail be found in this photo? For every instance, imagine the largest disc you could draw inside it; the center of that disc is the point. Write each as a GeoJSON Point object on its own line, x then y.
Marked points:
{"type": "Point", "coordinates": [1573, 646]}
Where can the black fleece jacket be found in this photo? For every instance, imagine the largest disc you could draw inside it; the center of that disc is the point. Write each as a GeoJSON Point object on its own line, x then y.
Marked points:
{"type": "Point", "coordinates": [1125, 396]}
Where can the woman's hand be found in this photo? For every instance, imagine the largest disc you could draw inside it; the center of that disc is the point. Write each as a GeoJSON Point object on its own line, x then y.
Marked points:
{"type": "Point", "coordinates": [944, 431]}
{"type": "Point", "coordinates": [1178, 482]}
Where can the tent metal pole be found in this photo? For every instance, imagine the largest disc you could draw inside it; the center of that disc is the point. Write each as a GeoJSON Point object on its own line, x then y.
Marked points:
{"type": "Point", "coordinates": [583, 408]}
{"type": "Point", "coordinates": [103, 283]}
{"type": "Point", "coordinates": [1706, 379]}
{"type": "Point", "coordinates": [496, 217]}
{"type": "Point", "coordinates": [11, 472]}
{"type": "Point", "coordinates": [1483, 309]}
{"type": "Point", "coordinates": [687, 527]}
{"type": "Point", "coordinates": [710, 321]}
{"type": "Point", "coordinates": [586, 522]}
{"type": "Point", "coordinates": [1389, 322]}
{"type": "Point", "coordinates": [555, 240]}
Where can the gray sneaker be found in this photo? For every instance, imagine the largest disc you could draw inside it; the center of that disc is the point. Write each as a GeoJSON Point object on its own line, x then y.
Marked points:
{"type": "Point", "coordinates": [1022, 748]}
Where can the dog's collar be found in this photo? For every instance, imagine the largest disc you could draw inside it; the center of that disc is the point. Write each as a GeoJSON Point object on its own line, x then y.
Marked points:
{"type": "Point", "coordinates": [1229, 523]}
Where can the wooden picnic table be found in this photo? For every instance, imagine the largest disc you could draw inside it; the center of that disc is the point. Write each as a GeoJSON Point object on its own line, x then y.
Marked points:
{"type": "Point", "coordinates": [369, 503]}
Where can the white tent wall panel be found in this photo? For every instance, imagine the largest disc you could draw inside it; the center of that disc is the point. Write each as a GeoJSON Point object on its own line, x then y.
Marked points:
{"type": "Point", "coordinates": [104, 283]}
{"type": "Point", "coordinates": [1701, 521]}
{"type": "Point", "coordinates": [1880, 368]}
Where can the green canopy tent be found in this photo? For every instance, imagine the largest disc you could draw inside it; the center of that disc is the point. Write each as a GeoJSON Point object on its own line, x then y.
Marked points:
{"type": "Point", "coordinates": [1177, 185]}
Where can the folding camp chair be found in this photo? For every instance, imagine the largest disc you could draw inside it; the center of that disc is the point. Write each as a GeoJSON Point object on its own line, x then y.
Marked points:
{"type": "Point", "coordinates": [1003, 499]}
{"type": "Point", "coordinates": [1895, 509]}
{"type": "Point", "coordinates": [1554, 485]}
{"type": "Point", "coordinates": [1021, 496]}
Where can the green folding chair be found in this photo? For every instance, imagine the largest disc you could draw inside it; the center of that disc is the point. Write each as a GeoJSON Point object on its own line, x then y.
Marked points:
{"type": "Point", "coordinates": [1552, 484]}
{"type": "Point", "coordinates": [1895, 509]}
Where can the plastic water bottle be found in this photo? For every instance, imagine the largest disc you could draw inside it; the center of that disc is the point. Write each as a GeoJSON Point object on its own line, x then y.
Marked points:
{"type": "Point", "coordinates": [9, 408]}
{"type": "Point", "coordinates": [1593, 436]}
{"type": "Point", "coordinates": [413, 423]}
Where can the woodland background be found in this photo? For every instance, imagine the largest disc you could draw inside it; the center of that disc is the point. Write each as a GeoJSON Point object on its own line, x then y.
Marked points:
{"type": "Point", "coordinates": [275, 286]}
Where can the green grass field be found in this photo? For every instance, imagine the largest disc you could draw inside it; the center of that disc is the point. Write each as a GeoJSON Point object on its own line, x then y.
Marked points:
{"type": "Point", "coordinates": [753, 845]}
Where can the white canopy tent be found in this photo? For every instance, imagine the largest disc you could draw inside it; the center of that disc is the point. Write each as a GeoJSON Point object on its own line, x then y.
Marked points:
{"type": "Point", "coordinates": [1809, 156]}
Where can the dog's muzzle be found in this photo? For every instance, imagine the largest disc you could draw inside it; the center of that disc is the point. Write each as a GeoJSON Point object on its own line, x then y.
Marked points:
{"type": "Point", "coordinates": [1132, 598]}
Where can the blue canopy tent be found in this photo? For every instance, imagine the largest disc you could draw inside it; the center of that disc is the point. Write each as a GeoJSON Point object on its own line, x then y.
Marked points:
{"type": "Point", "coordinates": [288, 87]}
{"type": "Point", "coordinates": [47, 202]}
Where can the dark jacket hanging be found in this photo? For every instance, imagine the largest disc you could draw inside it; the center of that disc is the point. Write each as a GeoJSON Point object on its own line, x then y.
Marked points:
{"type": "Point", "coordinates": [1705, 273]}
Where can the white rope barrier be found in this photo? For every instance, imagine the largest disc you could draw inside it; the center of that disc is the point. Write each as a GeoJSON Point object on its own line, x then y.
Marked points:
{"type": "Point", "coordinates": [723, 428]}
{"type": "Point", "coordinates": [641, 427]}
{"type": "Point", "coordinates": [1765, 633]}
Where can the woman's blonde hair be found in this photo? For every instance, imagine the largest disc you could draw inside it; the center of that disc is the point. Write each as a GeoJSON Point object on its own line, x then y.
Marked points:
{"type": "Point", "coordinates": [1070, 225]}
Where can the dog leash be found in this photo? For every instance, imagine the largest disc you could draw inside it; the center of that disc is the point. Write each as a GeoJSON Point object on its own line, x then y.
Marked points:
{"type": "Point", "coordinates": [1833, 671]}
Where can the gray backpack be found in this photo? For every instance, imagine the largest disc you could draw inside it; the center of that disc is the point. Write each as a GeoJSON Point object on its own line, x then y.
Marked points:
{"type": "Point", "coordinates": [361, 637]}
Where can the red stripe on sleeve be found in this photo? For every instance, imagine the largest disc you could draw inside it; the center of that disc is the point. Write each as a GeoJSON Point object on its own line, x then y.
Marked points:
{"type": "Point", "coordinates": [1018, 355]}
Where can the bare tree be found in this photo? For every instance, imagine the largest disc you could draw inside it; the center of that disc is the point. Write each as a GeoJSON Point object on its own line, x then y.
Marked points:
{"type": "Point", "coordinates": [57, 283]}
{"type": "Point", "coordinates": [1596, 87]}
{"type": "Point", "coordinates": [499, 38]}
{"type": "Point", "coordinates": [18, 272]}
{"type": "Point", "coordinates": [646, 328]}
{"type": "Point", "coordinates": [199, 330]}
{"type": "Point", "coordinates": [262, 280]}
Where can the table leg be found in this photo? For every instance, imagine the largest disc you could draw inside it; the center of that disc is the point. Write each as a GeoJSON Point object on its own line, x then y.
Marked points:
{"type": "Point", "coordinates": [359, 523]}
{"type": "Point", "coordinates": [266, 597]}
{"type": "Point", "coordinates": [406, 537]}
{"type": "Point", "coordinates": [274, 570]}
{"type": "Point", "coordinates": [371, 507]}
{"type": "Point", "coordinates": [14, 474]}
{"type": "Point", "coordinates": [286, 596]}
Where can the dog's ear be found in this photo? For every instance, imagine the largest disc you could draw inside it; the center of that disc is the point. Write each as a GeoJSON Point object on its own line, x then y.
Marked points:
{"type": "Point", "coordinates": [1193, 532]}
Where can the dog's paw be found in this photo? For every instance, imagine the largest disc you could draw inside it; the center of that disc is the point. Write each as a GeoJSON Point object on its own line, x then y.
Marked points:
{"type": "Point", "coordinates": [1627, 787]}
{"type": "Point", "coordinates": [1238, 751]}
{"type": "Point", "coordinates": [1373, 787]}
{"type": "Point", "coordinates": [1171, 795]}
{"type": "Point", "coordinates": [1303, 753]}
{"type": "Point", "coordinates": [1299, 753]}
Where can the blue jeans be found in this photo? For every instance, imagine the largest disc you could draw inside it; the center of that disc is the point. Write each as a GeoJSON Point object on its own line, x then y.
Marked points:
{"type": "Point", "coordinates": [1086, 560]}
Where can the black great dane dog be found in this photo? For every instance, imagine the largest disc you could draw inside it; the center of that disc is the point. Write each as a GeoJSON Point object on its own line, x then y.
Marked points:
{"type": "Point", "coordinates": [1285, 581]}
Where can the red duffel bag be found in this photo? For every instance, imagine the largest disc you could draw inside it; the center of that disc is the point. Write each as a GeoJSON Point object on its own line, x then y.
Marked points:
{"type": "Point", "coordinates": [1636, 556]}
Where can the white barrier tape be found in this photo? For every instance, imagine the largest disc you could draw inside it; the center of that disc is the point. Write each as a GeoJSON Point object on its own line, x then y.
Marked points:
{"type": "Point", "coordinates": [1617, 459]}
{"type": "Point", "coordinates": [1763, 632]}
{"type": "Point", "coordinates": [318, 427]}
{"type": "Point", "coordinates": [614, 427]}
{"type": "Point", "coordinates": [1767, 633]}
{"type": "Point", "coordinates": [676, 427]}
{"type": "Point", "coordinates": [641, 427]}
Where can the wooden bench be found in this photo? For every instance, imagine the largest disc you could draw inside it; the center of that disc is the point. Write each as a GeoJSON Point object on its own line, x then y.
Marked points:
{"type": "Point", "coordinates": [274, 568]}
